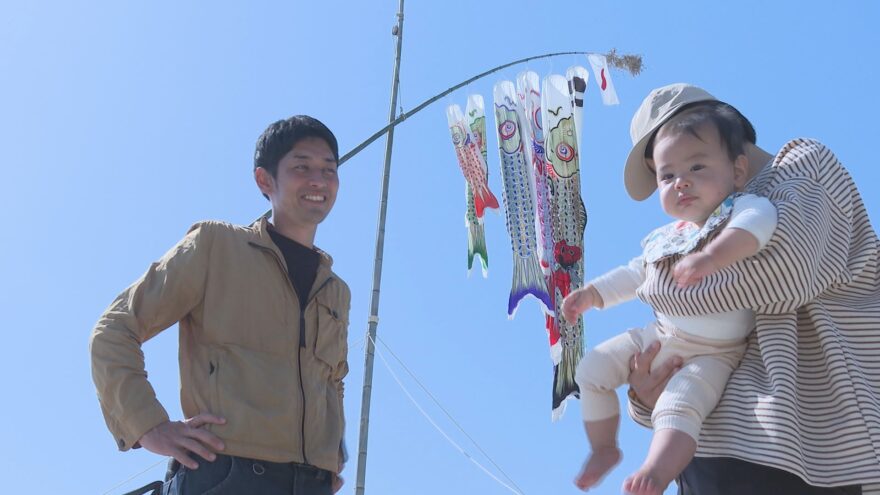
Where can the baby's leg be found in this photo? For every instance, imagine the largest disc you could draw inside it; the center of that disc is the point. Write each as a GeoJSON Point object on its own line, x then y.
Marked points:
{"type": "Point", "coordinates": [602, 435]}
{"type": "Point", "coordinates": [670, 452]}
{"type": "Point", "coordinates": [599, 373]}
{"type": "Point", "coordinates": [689, 397]}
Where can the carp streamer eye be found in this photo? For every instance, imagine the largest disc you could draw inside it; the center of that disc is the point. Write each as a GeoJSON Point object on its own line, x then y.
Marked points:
{"type": "Point", "coordinates": [457, 136]}
{"type": "Point", "coordinates": [565, 152]}
{"type": "Point", "coordinates": [507, 129]}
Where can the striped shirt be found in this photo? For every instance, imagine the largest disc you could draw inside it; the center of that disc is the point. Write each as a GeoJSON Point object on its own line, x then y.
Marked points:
{"type": "Point", "coordinates": [806, 397]}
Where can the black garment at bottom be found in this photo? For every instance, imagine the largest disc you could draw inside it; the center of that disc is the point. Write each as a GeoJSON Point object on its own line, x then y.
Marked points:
{"type": "Point", "coordinates": [728, 476]}
{"type": "Point", "coordinates": [229, 475]}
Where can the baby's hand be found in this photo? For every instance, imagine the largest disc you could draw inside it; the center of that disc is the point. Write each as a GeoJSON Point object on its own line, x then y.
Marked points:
{"type": "Point", "coordinates": [579, 301]}
{"type": "Point", "coordinates": [692, 268]}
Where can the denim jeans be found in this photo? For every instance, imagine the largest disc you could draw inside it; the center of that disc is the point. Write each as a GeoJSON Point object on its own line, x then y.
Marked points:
{"type": "Point", "coordinates": [229, 475]}
{"type": "Point", "coordinates": [728, 476]}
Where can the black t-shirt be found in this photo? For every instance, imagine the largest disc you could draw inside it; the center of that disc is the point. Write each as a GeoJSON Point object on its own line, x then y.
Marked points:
{"type": "Point", "coordinates": [302, 264]}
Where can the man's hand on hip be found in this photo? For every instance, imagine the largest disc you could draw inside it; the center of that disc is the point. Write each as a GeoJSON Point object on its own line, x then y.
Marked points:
{"type": "Point", "coordinates": [178, 439]}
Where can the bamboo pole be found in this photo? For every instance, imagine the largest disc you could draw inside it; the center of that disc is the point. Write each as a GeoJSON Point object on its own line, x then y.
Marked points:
{"type": "Point", "coordinates": [373, 321]}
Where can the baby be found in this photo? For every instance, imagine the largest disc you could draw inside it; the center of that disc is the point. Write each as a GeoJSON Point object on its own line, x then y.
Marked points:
{"type": "Point", "coordinates": [700, 164]}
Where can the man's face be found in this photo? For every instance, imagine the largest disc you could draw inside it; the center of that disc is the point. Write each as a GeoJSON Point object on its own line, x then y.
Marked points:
{"type": "Point", "coordinates": [694, 175]}
{"type": "Point", "coordinates": [305, 186]}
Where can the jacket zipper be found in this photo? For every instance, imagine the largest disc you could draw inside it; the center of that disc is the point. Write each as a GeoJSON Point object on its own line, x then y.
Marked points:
{"type": "Point", "coordinates": [302, 345]}
{"type": "Point", "coordinates": [302, 390]}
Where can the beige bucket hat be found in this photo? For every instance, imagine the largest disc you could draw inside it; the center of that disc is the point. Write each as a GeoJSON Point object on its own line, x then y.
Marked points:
{"type": "Point", "coordinates": [660, 105]}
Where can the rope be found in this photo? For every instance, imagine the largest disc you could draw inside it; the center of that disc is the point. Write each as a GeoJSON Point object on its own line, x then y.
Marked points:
{"type": "Point", "coordinates": [448, 415]}
{"type": "Point", "coordinates": [514, 488]}
{"type": "Point", "coordinates": [160, 461]}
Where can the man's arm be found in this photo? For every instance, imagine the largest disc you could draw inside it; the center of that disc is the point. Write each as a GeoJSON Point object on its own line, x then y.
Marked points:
{"type": "Point", "coordinates": [338, 480]}
{"type": "Point", "coordinates": [339, 377]}
{"type": "Point", "coordinates": [169, 289]}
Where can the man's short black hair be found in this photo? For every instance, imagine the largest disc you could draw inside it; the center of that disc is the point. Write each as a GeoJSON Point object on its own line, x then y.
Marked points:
{"type": "Point", "coordinates": [734, 129]}
{"type": "Point", "coordinates": [280, 137]}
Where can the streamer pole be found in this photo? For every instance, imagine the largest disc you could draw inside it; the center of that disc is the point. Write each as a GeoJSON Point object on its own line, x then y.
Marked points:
{"type": "Point", "coordinates": [373, 321]}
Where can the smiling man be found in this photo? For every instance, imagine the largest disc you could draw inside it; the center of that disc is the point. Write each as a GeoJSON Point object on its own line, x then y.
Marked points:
{"type": "Point", "coordinates": [263, 338]}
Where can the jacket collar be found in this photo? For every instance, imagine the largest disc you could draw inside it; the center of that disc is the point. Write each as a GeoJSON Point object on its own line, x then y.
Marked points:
{"type": "Point", "coordinates": [260, 238]}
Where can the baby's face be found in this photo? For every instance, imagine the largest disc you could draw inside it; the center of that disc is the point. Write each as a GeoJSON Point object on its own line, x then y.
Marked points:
{"type": "Point", "coordinates": [694, 175]}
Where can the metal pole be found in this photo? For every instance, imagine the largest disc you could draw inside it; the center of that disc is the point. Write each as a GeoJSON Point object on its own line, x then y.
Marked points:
{"type": "Point", "coordinates": [377, 267]}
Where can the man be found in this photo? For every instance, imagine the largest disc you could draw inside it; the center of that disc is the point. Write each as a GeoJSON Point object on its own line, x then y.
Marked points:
{"type": "Point", "coordinates": [263, 338]}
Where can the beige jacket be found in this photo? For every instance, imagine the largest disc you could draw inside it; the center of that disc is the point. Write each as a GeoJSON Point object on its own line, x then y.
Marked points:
{"type": "Point", "coordinates": [241, 353]}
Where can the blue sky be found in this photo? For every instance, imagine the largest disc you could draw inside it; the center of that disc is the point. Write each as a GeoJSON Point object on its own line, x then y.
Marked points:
{"type": "Point", "coordinates": [123, 123]}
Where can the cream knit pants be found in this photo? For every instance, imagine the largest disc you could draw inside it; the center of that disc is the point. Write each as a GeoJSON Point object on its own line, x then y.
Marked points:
{"type": "Point", "coordinates": [689, 396]}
